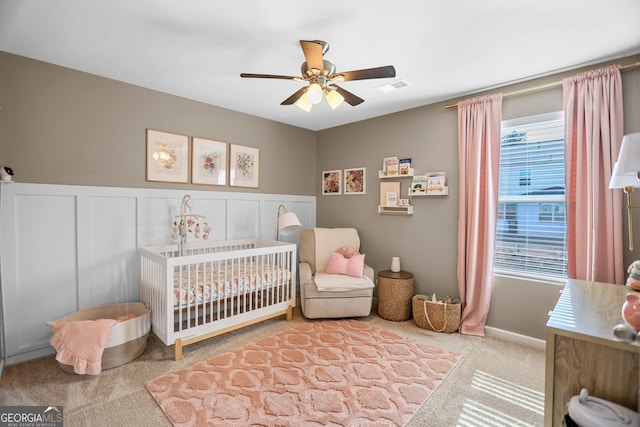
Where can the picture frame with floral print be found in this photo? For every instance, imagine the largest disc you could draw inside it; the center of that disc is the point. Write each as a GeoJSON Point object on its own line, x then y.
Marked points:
{"type": "Point", "coordinates": [167, 157]}
{"type": "Point", "coordinates": [244, 166]}
{"type": "Point", "coordinates": [208, 161]}
{"type": "Point", "coordinates": [355, 181]}
{"type": "Point", "coordinates": [332, 182]}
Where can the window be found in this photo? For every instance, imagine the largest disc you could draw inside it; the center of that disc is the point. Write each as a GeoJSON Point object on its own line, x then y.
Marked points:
{"type": "Point", "coordinates": [531, 231]}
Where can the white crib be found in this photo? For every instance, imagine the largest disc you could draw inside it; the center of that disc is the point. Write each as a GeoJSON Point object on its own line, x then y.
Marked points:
{"type": "Point", "coordinates": [216, 287]}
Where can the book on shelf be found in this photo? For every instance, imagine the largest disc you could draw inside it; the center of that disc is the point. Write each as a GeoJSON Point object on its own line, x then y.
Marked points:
{"type": "Point", "coordinates": [419, 184]}
{"type": "Point", "coordinates": [390, 166]}
{"type": "Point", "coordinates": [404, 166]}
{"type": "Point", "coordinates": [434, 174]}
{"type": "Point", "coordinates": [435, 184]}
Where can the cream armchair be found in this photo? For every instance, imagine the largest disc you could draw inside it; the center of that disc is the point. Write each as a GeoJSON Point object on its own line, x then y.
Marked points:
{"type": "Point", "coordinates": [347, 296]}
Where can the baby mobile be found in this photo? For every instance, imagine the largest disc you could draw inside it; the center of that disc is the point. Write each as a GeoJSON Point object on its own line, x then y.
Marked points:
{"type": "Point", "coordinates": [188, 222]}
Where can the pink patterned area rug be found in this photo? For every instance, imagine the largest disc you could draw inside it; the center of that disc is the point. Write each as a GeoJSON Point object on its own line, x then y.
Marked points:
{"type": "Point", "coordinates": [337, 372]}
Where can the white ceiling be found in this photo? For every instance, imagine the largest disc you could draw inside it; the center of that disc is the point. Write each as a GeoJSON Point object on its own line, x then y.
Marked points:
{"type": "Point", "coordinates": [197, 48]}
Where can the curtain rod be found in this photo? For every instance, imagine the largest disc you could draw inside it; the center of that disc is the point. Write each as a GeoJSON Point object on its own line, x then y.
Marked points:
{"type": "Point", "coordinates": [542, 86]}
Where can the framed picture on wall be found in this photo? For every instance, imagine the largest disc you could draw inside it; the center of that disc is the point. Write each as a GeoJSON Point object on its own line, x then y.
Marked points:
{"type": "Point", "coordinates": [355, 181]}
{"type": "Point", "coordinates": [332, 182]}
{"type": "Point", "coordinates": [208, 162]}
{"type": "Point", "coordinates": [167, 157]}
{"type": "Point", "coordinates": [244, 166]}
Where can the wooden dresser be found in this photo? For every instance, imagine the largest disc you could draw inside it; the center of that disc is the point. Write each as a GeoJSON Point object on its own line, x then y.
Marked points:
{"type": "Point", "coordinates": [582, 351]}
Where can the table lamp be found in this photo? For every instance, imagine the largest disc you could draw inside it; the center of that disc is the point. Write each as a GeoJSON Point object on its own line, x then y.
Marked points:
{"type": "Point", "coordinates": [626, 173]}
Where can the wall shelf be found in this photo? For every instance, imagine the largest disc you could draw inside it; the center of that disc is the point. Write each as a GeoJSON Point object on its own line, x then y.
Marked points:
{"type": "Point", "coordinates": [445, 192]}
{"type": "Point", "coordinates": [382, 175]}
{"type": "Point", "coordinates": [396, 210]}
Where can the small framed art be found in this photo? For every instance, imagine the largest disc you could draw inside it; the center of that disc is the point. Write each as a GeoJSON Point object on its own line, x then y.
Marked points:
{"type": "Point", "coordinates": [332, 182]}
{"type": "Point", "coordinates": [208, 162]}
{"type": "Point", "coordinates": [167, 157]}
{"type": "Point", "coordinates": [244, 166]}
{"type": "Point", "coordinates": [389, 193]}
{"type": "Point", "coordinates": [355, 181]}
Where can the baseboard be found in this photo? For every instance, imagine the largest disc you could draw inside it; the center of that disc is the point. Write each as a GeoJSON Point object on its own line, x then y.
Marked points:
{"type": "Point", "coordinates": [30, 355]}
{"type": "Point", "coordinates": [517, 338]}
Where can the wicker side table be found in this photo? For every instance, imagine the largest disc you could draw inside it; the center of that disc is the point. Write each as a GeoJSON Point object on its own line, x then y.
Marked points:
{"type": "Point", "coordinates": [395, 291]}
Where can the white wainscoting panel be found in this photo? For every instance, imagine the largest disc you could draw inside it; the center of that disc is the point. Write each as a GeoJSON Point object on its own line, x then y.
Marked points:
{"type": "Point", "coordinates": [66, 248]}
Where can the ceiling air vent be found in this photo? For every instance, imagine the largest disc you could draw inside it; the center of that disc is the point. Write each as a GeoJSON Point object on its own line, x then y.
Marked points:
{"type": "Point", "coordinates": [394, 85]}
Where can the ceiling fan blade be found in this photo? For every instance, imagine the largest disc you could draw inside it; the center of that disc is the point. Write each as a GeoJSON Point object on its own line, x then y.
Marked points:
{"type": "Point", "coordinates": [293, 98]}
{"type": "Point", "coordinates": [349, 98]}
{"type": "Point", "coordinates": [368, 73]}
{"type": "Point", "coordinates": [312, 53]}
{"type": "Point", "coordinates": [269, 76]}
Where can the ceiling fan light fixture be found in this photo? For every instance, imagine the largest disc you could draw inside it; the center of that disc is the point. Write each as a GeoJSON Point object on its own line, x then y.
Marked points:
{"type": "Point", "coordinates": [314, 93]}
{"type": "Point", "coordinates": [334, 99]}
{"type": "Point", "coordinates": [304, 104]}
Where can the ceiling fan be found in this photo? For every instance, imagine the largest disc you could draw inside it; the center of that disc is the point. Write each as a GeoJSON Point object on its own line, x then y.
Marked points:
{"type": "Point", "coordinates": [321, 75]}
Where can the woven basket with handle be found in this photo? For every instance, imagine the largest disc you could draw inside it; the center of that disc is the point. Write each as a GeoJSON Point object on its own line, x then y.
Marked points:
{"type": "Point", "coordinates": [436, 316]}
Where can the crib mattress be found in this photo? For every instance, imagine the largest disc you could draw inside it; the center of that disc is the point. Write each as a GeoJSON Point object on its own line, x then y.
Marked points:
{"type": "Point", "coordinates": [204, 283]}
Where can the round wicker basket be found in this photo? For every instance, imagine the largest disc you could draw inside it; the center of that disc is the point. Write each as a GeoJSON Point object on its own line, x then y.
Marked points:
{"type": "Point", "coordinates": [394, 295]}
{"type": "Point", "coordinates": [127, 340]}
{"type": "Point", "coordinates": [436, 316]}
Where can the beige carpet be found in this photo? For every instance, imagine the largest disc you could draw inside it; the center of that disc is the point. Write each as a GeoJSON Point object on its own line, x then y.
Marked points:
{"type": "Point", "coordinates": [341, 372]}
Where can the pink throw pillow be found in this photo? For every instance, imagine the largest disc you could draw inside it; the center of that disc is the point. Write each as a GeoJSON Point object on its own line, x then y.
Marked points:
{"type": "Point", "coordinates": [353, 266]}
{"type": "Point", "coordinates": [347, 251]}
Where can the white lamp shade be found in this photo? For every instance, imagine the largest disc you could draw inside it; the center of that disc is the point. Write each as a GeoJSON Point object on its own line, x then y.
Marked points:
{"type": "Point", "coordinates": [288, 223]}
{"type": "Point", "coordinates": [314, 93]}
{"type": "Point", "coordinates": [304, 104]}
{"type": "Point", "coordinates": [625, 171]}
{"type": "Point", "coordinates": [334, 99]}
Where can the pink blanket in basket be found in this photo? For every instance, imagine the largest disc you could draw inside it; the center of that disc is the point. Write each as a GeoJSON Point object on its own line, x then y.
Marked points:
{"type": "Point", "coordinates": [80, 343]}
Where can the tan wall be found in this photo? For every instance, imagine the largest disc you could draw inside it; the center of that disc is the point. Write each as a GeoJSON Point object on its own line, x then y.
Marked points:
{"type": "Point", "coordinates": [62, 126]}
{"type": "Point", "coordinates": [66, 127]}
{"type": "Point", "coordinates": [427, 241]}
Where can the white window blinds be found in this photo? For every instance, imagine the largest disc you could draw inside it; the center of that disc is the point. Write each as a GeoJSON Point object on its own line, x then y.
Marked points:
{"type": "Point", "coordinates": [531, 230]}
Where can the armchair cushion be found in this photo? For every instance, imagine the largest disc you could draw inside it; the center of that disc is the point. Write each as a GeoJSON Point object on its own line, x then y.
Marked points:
{"type": "Point", "coordinates": [341, 283]}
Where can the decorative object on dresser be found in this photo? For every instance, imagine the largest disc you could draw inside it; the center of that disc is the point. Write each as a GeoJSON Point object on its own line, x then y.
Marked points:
{"type": "Point", "coordinates": [395, 290]}
{"type": "Point", "coordinates": [633, 281]}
